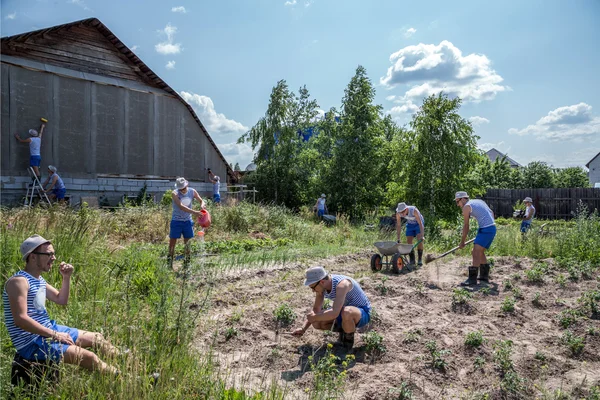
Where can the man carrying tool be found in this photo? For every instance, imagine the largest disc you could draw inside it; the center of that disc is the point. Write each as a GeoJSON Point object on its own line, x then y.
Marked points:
{"type": "Point", "coordinates": [181, 221]}
{"type": "Point", "coordinates": [351, 307]}
{"type": "Point", "coordinates": [479, 210]}
{"type": "Point", "coordinates": [35, 336]}
{"type": "Point", "coordinates": [35, 145]}
{"type": "Point", "coordinates": [529, 214]}
{"type": "Point", "coordinates": [56, 185]}
{"type": "Point", "coordinates": [415, 227]}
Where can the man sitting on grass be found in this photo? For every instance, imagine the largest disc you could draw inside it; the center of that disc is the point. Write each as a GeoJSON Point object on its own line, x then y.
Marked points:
{"type": "Point", "coordinates": [35, 336]}
{"type": "Point", "coordinates": [351, 307]}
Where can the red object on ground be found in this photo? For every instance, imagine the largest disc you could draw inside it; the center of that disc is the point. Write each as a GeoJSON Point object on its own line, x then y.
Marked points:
{"type": "Point", "coordinates": [204, 219]}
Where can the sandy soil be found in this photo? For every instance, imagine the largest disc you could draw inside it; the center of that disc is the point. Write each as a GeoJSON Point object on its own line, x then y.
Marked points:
{"type": "Point", "coordinates": [262, 352]}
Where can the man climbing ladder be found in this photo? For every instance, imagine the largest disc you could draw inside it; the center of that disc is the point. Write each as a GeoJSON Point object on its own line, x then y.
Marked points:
{"type": "Point", "coordinates": [35, 145]}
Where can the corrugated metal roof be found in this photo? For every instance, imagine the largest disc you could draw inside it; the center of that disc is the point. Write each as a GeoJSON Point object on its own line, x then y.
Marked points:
{"type": "Point", "coordinates": [144, 70]}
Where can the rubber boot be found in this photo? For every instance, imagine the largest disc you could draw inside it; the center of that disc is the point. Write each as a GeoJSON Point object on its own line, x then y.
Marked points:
{"type": "Point", "coordinates": [472, 281]}
{"type": "Point", "coordinates": [420, 262]}
{"type": "Point", "coordinates": [411, 255]}
{"type": "Point", "coordinates": [170, 262]}
{"type": "Point", "coordinates": [348, 341]}
{"type": "Point", "coordinates": [484, 272]}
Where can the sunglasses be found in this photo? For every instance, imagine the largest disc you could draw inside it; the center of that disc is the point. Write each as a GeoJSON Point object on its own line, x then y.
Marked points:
{"type": "Point", "coordinates": [313, 287]}
{"type": "Point", "coordinates": [49, 254]}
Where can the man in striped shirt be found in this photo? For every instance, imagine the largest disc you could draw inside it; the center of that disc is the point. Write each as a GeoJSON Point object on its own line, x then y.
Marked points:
{"type": "Point", "coordinates": [32, 332]}
{"type": "Point", "coordinates": [351, 307]}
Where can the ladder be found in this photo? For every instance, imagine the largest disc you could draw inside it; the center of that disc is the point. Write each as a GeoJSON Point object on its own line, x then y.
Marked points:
{"type": "Point", "coordinates": [34, 187]}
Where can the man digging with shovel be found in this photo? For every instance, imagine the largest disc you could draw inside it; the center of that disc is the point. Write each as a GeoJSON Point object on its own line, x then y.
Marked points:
{"type": "Point", "coordinates": [479, 210]}
{"type": "Point", "coordinates": [351, 307]}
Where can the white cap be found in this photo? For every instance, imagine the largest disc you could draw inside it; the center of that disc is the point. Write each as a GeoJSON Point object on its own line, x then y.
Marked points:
{"type": "Point", "coordinates": [401, 207]}
{"type": "Point", "coordinates": [461, 195]}
{"type": "Point", "coordinates": [314, 275]}
{"type": "Point", "coordinates": [323, 195]}
{"type": "Point", "coordinates": [180, 183]}
{"type": "Point", "coordinates": [52, 168]}
{"type": "Point", "coordinates": [33, 132]}
{"type": "Point", "coordinates": [217, 178]}
{"type": "Point", "coordinates": [528, 200]}
{"type": "Point", "coordinates": [32, 243]}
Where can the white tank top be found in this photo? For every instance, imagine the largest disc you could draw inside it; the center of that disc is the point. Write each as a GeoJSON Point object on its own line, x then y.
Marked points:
{"type": "Point", "coordinates": [34, 146]}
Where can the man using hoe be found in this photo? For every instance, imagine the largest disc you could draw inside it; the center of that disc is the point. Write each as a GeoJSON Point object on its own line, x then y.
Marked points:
{"type": "Point", "coordinates": [32, 332]}
{"type": "Point", "coordinates": [529, 214]}
{"type": "Point", "coordinates": [351, 307]}
{"type": "Point", "coordinates": [414, 228]}
{"type": "Point", "coordinates": [479, 210]}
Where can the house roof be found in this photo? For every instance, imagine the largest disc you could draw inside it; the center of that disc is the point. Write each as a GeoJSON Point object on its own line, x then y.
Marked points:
{"type": "Point", "coordinates": [142, 70]}
{"type": "Point", "coordinates": [493, 154]}
{"type": "Point", "coordinates": [593, 158]}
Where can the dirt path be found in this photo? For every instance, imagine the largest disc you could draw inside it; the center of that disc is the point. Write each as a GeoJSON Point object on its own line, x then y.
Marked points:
{"type": "Point", "coordinates": [421, 302]}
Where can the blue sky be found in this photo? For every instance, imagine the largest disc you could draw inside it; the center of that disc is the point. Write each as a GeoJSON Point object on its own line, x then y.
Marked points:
{"type": "Point", "coordinates": [527, 70]}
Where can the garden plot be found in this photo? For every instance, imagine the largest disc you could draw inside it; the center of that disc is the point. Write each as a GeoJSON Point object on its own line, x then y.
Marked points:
{"type": "Point", "coordinates": [440, 341]}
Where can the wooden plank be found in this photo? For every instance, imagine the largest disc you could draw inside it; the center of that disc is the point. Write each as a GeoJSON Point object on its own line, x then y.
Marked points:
{"type": "Point", "coordinates": [76, 46]}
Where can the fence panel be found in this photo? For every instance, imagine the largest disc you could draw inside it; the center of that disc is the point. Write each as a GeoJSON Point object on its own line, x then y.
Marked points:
{"type": "Point", "coordinates": [549, 203]}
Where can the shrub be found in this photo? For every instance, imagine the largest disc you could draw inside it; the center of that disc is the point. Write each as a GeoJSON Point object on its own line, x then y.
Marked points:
{"type": "Point", "coordinates": [284, 314]}
{"type": "Point", "coordinates": [589, 301]}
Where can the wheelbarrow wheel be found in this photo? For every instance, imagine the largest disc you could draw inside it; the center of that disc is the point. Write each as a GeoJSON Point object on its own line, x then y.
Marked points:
{"type": "Point", "coordinates": [397, 264]}
{"type": "Point", "coordinates": [376, 264]}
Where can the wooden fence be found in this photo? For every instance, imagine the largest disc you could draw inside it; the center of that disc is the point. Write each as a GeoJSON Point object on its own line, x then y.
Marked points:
{"type": "Point", "coordinates": [548, 203]}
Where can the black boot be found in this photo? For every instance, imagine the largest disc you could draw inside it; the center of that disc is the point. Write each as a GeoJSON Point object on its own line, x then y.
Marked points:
{"type": "Point", "coordinates": [484, 273]}
{"type": "Point", "coordinates": [348, 341]}
{"type": "Point", "coordinates": [411, 255]}
{"type": "Point", "coordinates": [472, 281]}
{"type": "Point", "coordinates": [420, 262]}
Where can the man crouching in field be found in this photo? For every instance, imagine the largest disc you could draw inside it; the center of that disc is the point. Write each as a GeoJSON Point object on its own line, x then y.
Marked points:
{"type": "Point", "coordinates": [31, 331]}
{"type": "Point", "coordinates": [351, 307]}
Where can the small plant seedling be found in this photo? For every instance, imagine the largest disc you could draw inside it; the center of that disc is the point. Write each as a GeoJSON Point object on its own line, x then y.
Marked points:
{"type": "Point", "coordinates": [507, 284]}
{"type": "Point", "coordinates": [284, 314]}
{"type": "Point", "coordinates": [326, 304]}
{"type": "Point", "coordinates": [486, 291]}
{"type": "Point", "coordinates": [474, 339]}
{"type": "Point", "coordinates": [502, 355]}
{"type": "Point", "coordinates": [236, 317]}
{"type": "Point", "coordinates": [374, 343]}
{"type": "Point", "coordinates": [535, 275]}
{"type": "Point", "coordinates": [573, 342]}
{"type": "Point", "coordinates": [412, 336]}
{"type": "Point", "coordinates": [479, 362]}
{"type": "Point", "coordinates": [537, 300]}
{"type": "Point", "coordinates": [461, 296]}
{"type": "Point", "coordinates": [516, 276]}
{"type": "Point", "coordinates": [508, 305]}
{"type": "Point", "coordinates": [568, 317]}
{"type": "Point", "coordinates": [539, 356]}
{"type": "Point", "coordinates": [591, 331]}
{"type": "Point", "coordinates": [561, 280]}
{"type": "Point", "coordinates": [590, 303]}
{"type": "Point", "coordinates": [230, 333]}
{"type": "Point", "coordinates": [328, 377]}
{"type": "Point", "coordinates": [517, 293]}
{"type": "Point", "coordinates": [381, 288]}
{"type": "Point", "coordinates": [437, 356]}
{"type": "Point", "coordinates": [401, 393]}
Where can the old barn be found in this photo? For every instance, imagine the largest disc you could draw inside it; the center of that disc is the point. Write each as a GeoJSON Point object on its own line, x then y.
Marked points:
{"type": "Point", "coordinates": [113, 123]}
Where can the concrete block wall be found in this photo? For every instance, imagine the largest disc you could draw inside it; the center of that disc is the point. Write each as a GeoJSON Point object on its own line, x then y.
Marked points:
{"type": "Point", "coordinates": [14, 188]}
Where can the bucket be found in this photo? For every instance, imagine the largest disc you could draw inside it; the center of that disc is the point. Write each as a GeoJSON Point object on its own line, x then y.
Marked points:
{"type": "Point", "coordinates": [204, 219]}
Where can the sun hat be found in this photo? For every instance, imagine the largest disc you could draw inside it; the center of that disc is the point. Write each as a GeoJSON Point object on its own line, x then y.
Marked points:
{"type": "Point", "coordinates": [32, 243]}
{"type": "Point", "coordinates": [461, 195]}
{"type": "Point", "coordinates": [33, 132]}
{"type": "Point", "coordinates": [314, 275]}
{"type": "Point", "coordinates": [180, 183]}
{"type": "Point", "coordinates": [401, 207]}
{"type": "Point", "coordinates": [323, 195]}
{"type": "Point", "coordinates": [528, 200]}
{"type": "Point", "coordinates": [217, 178]}
{"type": "Point", "coordinates": [52, 168]}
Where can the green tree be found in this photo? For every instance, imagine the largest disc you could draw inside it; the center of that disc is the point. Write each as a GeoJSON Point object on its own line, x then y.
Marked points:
{"type": "Point", "coordinates": [237, 167]}
{"type": "Point", "coordinates": [277, 144]}
{"type": "Point", "coordinates": [353, 175]}
{"type": "Point", "coordinates": [441, 155]}
{"type": "Point", "coordinates": [496, 175]}
{"type": "Point", "coordinates": [537, 175]}
{"type": "Point", "coordinates": [572, 177]}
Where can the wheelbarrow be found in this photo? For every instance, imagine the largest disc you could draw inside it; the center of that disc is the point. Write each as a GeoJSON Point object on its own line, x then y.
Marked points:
{"type": "Point", "coordinates": [393, 255]}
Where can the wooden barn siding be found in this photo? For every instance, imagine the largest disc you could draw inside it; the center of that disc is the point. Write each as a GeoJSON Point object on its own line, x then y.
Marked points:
{"type": "Point", "coordinates": [549, 203]}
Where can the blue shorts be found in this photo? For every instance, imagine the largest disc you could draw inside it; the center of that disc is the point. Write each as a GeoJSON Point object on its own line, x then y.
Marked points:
{"type": "Point", "coordinates": [412, 230]}
{"type": "Point", "coordinates": [178, 228]}
{"type": "Point", "coordinates": [35, 161]}
{"type": "Point", "coordinates": [217, 198]}
{"type": "Point", "coordinates": [485, 236]}
{"type": "Point", "coordinates": [43, 348]}
{"type": "Point", "coordinates": [59, 193]}
{"type": "Point", "coordinates": [320, 213]}
{"type": "Point", "coordinates": [525, 225]}
{"type": "Point", "coordinates": [365, 317]}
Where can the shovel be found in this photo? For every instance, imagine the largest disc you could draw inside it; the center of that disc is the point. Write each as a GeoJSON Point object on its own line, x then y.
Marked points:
{"type": "Point", "coordinates": [430, 257]}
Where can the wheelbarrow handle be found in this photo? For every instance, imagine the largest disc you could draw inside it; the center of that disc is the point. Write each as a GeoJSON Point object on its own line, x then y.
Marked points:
{"type": "Point", "coordinates": [416, 244]}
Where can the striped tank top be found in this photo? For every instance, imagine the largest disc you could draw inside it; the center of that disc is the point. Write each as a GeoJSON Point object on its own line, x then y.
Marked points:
{"type": "Point", "coordinates": [355, 297]}
{"type": "Point", "coordinates": [186, 200]}
{"type": "Point", "coordinates": [59, 182]}
{"type": "Point", "coordinates": [481, 212]}
{"type": "Point", "coordinates": [411, 219]}
{"type": "Point", "coordinates": [36, 310]}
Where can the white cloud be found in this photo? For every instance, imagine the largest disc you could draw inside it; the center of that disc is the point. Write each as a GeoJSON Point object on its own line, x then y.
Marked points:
{"type": "Point", "coordinates": [500, 146]}
{"type": "Point", "coordinates": [180, 9]}
{"type": "Point", "coordinates": [408, 107]}
{"type": "Point", "coordinates": [79, 3]}
{"type": "Point", "coordinates": [290, 3]}
{"type": "Point", "coordinates": [170, 65]}
{"type": "Point", "coordinates": [134, 47]}
{"type": "Point", "coordinates": [11, 16]}
{"type": "Point", "coordinates": [429, 69]}
{"type": "Point", "coordinates": [213, 121]}
{"type": "Point", "coordinates": [169, 47]}
{"type": "Point", "coordinates": [237, 152]}
{"type": "Point", "coordinates": [307, 3]}
{"type": "Point", "coordinates": [574, 122]}
{"type": "Point", "coordinates": [409, 32]}
{"type": "Point", "coordinates": [476, 120]}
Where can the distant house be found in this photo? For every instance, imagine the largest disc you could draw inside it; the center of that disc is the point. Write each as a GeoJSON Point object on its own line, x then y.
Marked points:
{"type": "Point", "coordinates": [594, 170]}
{"type": "Point", "coordinates": [493, 154]}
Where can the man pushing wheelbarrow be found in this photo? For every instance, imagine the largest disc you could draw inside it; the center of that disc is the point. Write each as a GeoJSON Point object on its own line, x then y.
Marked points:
{"type": "Point", "coordinates": [415, 227]}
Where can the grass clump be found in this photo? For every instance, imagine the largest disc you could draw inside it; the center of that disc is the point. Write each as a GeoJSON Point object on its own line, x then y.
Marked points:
{"type": "Point", "coordinates": [474, 339]}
